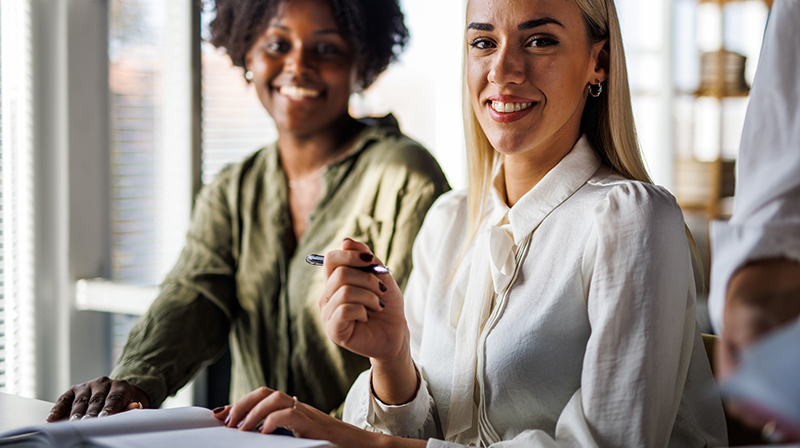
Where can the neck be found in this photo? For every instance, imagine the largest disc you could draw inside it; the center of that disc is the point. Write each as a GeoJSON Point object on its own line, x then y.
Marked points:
{"type": "Point", "coordinates": [303, 155]}
{"type": "Point", "coordinates": [525, 170]}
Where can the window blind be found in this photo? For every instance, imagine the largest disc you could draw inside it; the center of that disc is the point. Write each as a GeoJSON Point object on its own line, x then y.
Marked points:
{"type": "Point", "coordinates": [2, 239]}
{"type": "Point", "coordinates": [135, 55]}
{"type": "Point", "coordinates": [136, 50]}
{"type": "Point", "coordinates": [17, 367]}
{"type": "Point", "coordinates": [234, 123]}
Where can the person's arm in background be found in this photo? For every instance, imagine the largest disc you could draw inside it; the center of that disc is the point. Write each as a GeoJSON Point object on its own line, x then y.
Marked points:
{"type": "Point", "coordinates": [185, 327]}
{"type": "Point", "coordinates": [755, 278]}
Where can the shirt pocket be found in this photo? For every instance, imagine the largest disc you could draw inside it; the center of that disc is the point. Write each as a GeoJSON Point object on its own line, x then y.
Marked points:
{"type": "Point", "coordinates": [367, 230]}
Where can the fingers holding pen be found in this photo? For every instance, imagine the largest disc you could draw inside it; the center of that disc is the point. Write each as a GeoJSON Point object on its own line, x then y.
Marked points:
{"type": "Point", "coordinates": [353, 253]}
{"type": "Point", "coordinates": [350, 280]}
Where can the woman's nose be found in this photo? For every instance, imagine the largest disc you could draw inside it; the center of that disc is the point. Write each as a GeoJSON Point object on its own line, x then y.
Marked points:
{"type": "Point", "coordinates": [507, 67]}
{"type": "Point", "coordinates": [298, 60]}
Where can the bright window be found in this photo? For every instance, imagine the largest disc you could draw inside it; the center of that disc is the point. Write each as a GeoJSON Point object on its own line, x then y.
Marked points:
{"type": "Point", "coordinates": [17, 368]}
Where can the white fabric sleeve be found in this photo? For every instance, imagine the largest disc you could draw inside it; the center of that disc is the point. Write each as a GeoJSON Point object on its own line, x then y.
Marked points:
{"type": "Point", "coordinates": [641, 310]}
{"type": "Point", "coordinates": [411, 420]}
{"type": "Point", "coordinates": [766, 218]}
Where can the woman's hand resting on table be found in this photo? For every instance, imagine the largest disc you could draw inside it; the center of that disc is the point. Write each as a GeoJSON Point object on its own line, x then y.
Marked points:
{"type": "Point", "coordinates": [265, 410]}
{"type": "Point", "coordinates": [98, 398]}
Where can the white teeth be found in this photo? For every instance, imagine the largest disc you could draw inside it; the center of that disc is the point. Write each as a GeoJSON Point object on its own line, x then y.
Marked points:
{"type": "Point", "coordinates": [298, 93]}
{"type": "Point", "coordinates": [507, 108]}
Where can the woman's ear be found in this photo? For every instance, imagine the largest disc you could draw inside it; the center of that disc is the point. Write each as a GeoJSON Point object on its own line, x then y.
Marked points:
{"type": "Point", "coordinates": [248, 59]}
{"type": "Point", "coordinates": [600, 55]}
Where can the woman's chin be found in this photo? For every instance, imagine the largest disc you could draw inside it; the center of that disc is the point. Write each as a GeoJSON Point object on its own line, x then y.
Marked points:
{"type": "Point", "coordinates": [509, 143]}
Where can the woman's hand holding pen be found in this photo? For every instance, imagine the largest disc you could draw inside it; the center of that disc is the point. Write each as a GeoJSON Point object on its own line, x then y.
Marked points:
{"type": "Point", "coordinates": [363, 312]}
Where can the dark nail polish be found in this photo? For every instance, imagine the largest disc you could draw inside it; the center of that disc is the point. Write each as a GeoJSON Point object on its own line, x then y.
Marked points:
{"type": "Point", "coordinates": [366, 257]}
{"type": "Point", "coordinates": [218, 410]}
{"type": "Point", "coordinates": [227, 420]}
{"type": "Point", "coordinates": [259, 427]}
{"type": "Point", "coordinates": [382, 287]}
{"type": "Point", "coordinates": [240, 424]}
{"type": "Point", "coordinates": [383, 305]}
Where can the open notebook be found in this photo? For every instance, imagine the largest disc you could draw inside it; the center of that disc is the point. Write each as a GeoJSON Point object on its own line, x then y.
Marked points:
{"type": "Point", "coordinates": [150, 428]}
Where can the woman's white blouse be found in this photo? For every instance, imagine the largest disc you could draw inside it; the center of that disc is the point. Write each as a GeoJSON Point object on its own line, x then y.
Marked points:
{"type": "Point", "coordinates": [594, 343]}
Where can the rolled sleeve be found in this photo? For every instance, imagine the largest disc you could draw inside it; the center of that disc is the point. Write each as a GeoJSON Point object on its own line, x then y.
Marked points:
{"type": "Point", "coordinates": [735, 245]}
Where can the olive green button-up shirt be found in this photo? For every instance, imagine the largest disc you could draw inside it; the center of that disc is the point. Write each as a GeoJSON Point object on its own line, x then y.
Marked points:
{"type": "Point", "coordinates": [235, 281]}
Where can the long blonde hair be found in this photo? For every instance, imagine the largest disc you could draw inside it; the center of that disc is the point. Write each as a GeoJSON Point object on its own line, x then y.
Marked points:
{"type": "Point", "coordinates": [607, 120]}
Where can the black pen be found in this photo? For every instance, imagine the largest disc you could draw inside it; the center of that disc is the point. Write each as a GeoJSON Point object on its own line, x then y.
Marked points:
{"type": "Point", "coordinates": [316, 260]}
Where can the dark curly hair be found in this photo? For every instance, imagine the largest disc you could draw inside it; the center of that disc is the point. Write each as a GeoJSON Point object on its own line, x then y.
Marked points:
{"type": "Point", "coordinates": [374, 28]}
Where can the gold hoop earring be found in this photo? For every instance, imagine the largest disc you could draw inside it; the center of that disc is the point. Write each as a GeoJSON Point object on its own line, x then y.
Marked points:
{"type": "Point", "coordinates": [596, 93]}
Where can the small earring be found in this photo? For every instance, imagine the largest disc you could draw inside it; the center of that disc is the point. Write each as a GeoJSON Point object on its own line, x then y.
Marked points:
{"type": "Point", "coordinates": [599, 90]}
{"type": "Point", "coordinates": [248, 75]}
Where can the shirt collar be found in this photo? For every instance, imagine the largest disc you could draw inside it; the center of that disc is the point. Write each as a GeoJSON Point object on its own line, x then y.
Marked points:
{"type": "Point", "coordinates": [378, 128]}
{"type": "Point", "coordinates": [561, 182]}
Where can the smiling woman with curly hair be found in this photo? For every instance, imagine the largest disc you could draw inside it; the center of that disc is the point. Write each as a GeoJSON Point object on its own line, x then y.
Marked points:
{"type": "Point", "coordinates": [241, 279]}
{"type": "Point", "coordinates": [373, 28]}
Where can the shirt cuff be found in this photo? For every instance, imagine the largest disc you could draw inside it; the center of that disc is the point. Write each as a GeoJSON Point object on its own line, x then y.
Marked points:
{"type": "Point", "coordinates": [401, 420]}
{"type": "Point", "coordinates": [734, 245]}
{"type": "Point", "coordinates": [145, 377]}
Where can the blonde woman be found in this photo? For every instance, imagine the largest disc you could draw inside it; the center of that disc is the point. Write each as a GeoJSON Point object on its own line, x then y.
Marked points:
{"type": "Point", "coordinates": [550, 305]}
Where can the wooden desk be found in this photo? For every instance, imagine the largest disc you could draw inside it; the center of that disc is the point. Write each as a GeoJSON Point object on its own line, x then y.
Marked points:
{"type": "Point", "coordinates": [17, 412]}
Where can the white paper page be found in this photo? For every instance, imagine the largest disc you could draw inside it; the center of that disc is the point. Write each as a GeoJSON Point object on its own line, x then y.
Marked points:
{"type": "Point", "coordinates": [204, 438]}
{"type": "Point", "coordinates": [769, 375]}
{"type": "Point", "coordinates": [68, 433]}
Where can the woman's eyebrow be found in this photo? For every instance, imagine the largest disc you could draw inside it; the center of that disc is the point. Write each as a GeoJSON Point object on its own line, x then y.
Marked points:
{"type": "Point", "coordinates": [325, 31]}
{"type": "Point", "coordinates": [530, 24]}
{"type": "Point", "coordinates": [480, 26]}
{"type": "Point", "coordinates": [330, 31]}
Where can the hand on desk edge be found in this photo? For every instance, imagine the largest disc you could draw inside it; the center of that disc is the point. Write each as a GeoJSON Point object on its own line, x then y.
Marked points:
{"type": "Point", "coordinates": [98, 398]}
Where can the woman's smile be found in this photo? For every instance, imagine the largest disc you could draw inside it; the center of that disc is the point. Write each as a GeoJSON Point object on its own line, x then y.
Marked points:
{"type": "Point", "coordinates": [297, 93]}
{"type": "Point", "coordinates": [509, 108]}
